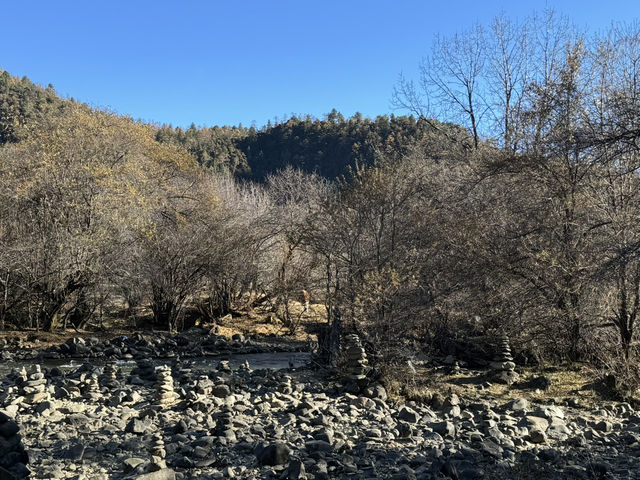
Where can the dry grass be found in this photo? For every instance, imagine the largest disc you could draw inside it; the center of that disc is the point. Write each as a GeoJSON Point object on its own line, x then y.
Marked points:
{"type": "Point", "coordinates": [257, 323]}
{"type": "Point", "coordinates": [566, 383]}
{"type": "Point", "coordinates": [262, 323]}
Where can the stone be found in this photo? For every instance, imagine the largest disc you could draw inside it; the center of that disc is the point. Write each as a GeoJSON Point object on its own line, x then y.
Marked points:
{"type": "Point", "coordinates": [130, 464]}
{"type": "Point", "coordinates": [445, 428]}
{"type": "Point", "coordinates": [273, 454]}
{"type": "Point", "coordinates": [75, 453]}
{"type": "Point", "coordinates": [163, 474]}
{"type": "Point", "coordinates": [603, 426]}
{"type": "Point", "coordinates": [138, 426]}
{"type": "Point", "coordinates": [221, 391]}
{"type": "Point", "coordinates": [491, 448]}
{"type": "Point", "coordinates": [13, 457]}
{"type": "Point", "coordinates": [537, 436]}
{"type": "Point", "coordinates": [407, 414]}
{"type": "Point", "coordinates": [531, 421]}
{"type": "Point", "coordinates": [376, 391]}
{"type": "Point", "coordinates": [296, 470]}
{"type": "Point", "coordinates": [9, 429]}
{"type": "Point", "coordinates": [519, 405]}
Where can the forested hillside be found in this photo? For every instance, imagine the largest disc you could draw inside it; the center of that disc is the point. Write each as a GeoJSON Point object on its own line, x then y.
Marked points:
{"type": "Point", "coordinates": [327, 147]}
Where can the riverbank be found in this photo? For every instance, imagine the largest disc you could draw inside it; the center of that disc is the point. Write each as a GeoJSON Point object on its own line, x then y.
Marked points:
{"type": "Point", "coordinates": [302, 423]}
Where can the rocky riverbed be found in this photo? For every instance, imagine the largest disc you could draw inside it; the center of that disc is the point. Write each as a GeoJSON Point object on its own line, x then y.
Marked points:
{"type": "Point", "coordinates": [173, 406]}
{"type": "Point", "coordinates": [178, 422]}
{"type": "Point", "coordinates": [194, 343]}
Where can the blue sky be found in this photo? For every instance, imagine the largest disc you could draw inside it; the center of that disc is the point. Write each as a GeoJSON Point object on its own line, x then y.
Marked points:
{"type": "Point", "coordinates": [231, 62]}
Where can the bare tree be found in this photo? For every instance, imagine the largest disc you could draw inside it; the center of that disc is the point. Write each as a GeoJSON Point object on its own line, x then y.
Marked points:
{"type": "Point", "coordinates": [508, 73]}
{"type": "Point", "coordinates": [451, 82]}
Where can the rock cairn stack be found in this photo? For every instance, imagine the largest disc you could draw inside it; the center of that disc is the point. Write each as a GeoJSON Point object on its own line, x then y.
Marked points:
{"type": "Point", "coordinates": [165, 394]}
{"type": "Point", "coordinates": [503, 365]}
{"type": "Point", "coordinates": [203, 385]}
{"type": "Point", "coordinates": [285, 385]}
{"type": "Point", "coordinates": [356, 364]}
{"type": "Point", "coordinates": [13, 458]}
{"type": "Point", "coordinates": [109, 376]}
{"type": "Point", "coordinates": [33, 386]}
{"type": "Point", "coordinates": [197, 394]}
{"type": "Point", "coordinates": [181, 371]}
{"type": "Point", "coordinates": [245, 367]}
{"type": "Point", "coordinates": [90, 386]}
{"type": "Point", "coordinates": [157, 446]}
{"type": "Point", "coordinates": [223, 366]}
{"type": "Point", "coordinates": [224, 424]}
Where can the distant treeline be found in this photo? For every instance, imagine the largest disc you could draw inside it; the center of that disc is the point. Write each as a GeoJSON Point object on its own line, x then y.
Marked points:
{"type": "Point", "coordinates": [327, 147]}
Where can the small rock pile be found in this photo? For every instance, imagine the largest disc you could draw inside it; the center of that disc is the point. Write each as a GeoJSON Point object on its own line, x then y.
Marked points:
{"type": "Point", "coordinates": [165, 394]}
{"type": "Point", "coordinates": [245, 367]}
{"type": "Point", "coordinates": [285, 385]}
{"type": "Point", "coordinates": [203, 385]}
{"type": "Point", "coordinates": [90, 386]}
{"type": "Point", "coordinates": [503, 365]}
{"type": "Point", "coordinates": [181, 371]}
{"type": "Point", "coordinates": [157, 446]}
{"type": "Point", "coordinates": [224, 424]}
{"type": "Point", "coordinates": [356, 363]}
{"type": "Point", "coordinates": [33, 385]}
{"type": "Point", "coordinates": [13, 457]}
{"type": "Point", "coordinates": [223, 366]}
{"type": "Point", "coordinates": [109, 376]}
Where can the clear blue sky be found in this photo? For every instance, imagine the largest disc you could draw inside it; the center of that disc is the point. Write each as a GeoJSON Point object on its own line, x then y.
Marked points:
{"type": "Point", "coordinates": [224, 63]}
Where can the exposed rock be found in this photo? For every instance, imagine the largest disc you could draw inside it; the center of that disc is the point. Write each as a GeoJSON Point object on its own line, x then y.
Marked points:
{"type": "Point", "coordinates": [274, 454]}
{"type": "Point", "coordinates": [13, 457]}
{"type": "Point", "coordinates": [408, 415]}
{"type": "Point", "coordinates": [164, 474]}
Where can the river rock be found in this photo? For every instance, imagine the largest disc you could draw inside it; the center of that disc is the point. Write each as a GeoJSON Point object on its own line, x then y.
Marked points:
{"type": "Point", "coordinates": [273, 454]}
{"type": "Point", "coordinates": [13, 457]}
{"type": "Point", "coordinates": [164, 474]}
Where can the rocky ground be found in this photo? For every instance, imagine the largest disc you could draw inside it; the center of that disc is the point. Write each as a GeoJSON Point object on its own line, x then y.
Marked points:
{"type": "Point", "coordinates": [166, 419]}
{"type": "Point", "coordinates": [196, 342]}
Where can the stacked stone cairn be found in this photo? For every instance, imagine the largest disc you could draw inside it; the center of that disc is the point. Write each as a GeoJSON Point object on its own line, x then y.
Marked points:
{"type": "Point", "coordinates": [356, 364]}
{"type": "Point", "coordinates": [224, 424]}
{"type": "Point", "coordinates": [13, 458]}
{"type": "Point", "coordinates": [203, 386]}
{"type": "Point", "coordinates": [33, 385]}
{"type": "Point", "coordinates": [245, 367]}
{"type": "Point", "coordinates": [109, 376]}
{"type": "Point", "coordinates": [90, 386]}
{"type": "Point", "coordinates": [157, 446]}
{"type": "Point", "coordinates": [158, 453]}
{"type": "Point", "coordinates": [223, 366]}
{"type": "Point", "coordinates": [503, 365]}
{"type": "Point", "coordinates": [197, 394]}
{"type": "Point", "coordinates": [285, 385]}
{"type": "Point", "coordinates": [181, 371]}
{"type": "Point", "coordinates": [165, 395]}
